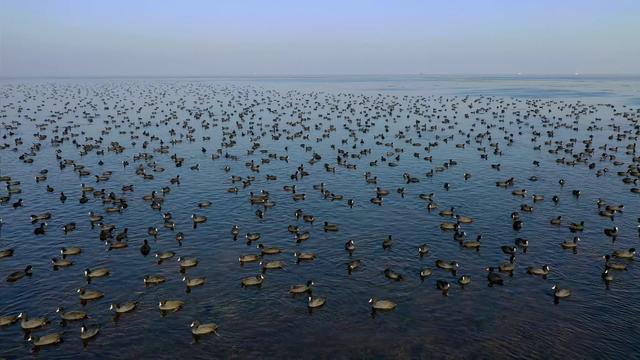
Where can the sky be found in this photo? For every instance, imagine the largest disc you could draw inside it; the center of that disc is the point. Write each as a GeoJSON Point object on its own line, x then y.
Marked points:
{"type": "Point", "coordinates": [323, 37]}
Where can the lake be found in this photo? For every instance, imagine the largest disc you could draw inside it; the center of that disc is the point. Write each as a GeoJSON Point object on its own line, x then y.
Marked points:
{"type": "Point", "coordinates": [435, 129]}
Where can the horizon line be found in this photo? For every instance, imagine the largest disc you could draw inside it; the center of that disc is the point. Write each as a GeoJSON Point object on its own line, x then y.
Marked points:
{"type": "Point", "coordinates": [202, 76]}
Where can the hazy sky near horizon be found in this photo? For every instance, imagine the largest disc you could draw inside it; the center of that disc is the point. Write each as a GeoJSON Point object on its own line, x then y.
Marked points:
{"type": "Point", "coordinates": [253, 37]}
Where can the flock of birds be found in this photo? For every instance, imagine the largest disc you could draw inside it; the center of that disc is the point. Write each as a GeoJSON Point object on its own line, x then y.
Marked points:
{"type": "Point", "coordinates": [375, 135]}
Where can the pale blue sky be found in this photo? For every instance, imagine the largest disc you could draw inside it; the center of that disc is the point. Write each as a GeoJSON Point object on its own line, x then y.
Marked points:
{"type": "Point", "coordinates": [235, 37]}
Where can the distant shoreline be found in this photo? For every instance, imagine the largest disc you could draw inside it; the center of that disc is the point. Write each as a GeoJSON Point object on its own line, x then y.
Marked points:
{"type": "Point", "coordinates": [324, 76]}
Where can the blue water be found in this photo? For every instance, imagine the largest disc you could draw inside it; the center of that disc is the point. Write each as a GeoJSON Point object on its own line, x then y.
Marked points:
{"type": "Point", "coordinates": [519, 319]}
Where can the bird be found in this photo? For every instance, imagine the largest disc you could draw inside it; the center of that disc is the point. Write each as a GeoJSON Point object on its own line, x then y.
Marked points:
{"type": "Point", "coordinates": [198, 329]}
{"type": "Point", "coordinates": [494, 278]}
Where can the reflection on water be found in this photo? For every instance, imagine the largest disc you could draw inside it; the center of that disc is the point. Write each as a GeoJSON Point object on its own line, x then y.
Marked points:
{"type": "Point", "coordinates": [517, 319]}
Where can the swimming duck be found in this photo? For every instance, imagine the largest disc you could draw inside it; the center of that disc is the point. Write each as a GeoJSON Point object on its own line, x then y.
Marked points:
{"type": "Point", "coordinates": [509, 266]}
{"type": "Point", "coordinates": [123, 235]}
{"type": "Point", "coordinates": [576, 226]}
{"type": "Point", "coordinates": [40, 230]}
{"type": "Point", "coordinates": [115, 245]}
{"type": "Point", "coordinates": [353, 265]}
{"type": "Point", "coordinates": [459, 236]}
{"type": "Point", "coordinates": [443, 286]}
{"type": "Point", "coordinates": [613, 265]}
{"type": "Point", "coordinates": [124, 308]}
{"type": "Point", "coordinates": [613, 232]}
{"type": "Point", "coordinates": [625, 254]}
{"type": "Point", "coordinates": [304, 256]}
{"type": "Point", "coordinates": [537, 198]}
{"type": "Point", "coordinates": [304, 236]}
{"type": "Point", "coordinates": [194, 282]}
{"type": "Point", "coordinates": [301, 288]}
{"type": "Point", "coordinates": [560, 293]}
{"type": "Point", "coordinates": [540, 271]}
{"type": "Point", "coordinates": [386, 243]}
{"type": "Point", "coordinates": [521, 192]}
{"type": "Point", "coordinates": [447, 213]}
{"type": "Point", "coordinates": [449, 226]}
{"type": "Point", "coordinates": [187, 262]}
{"type": "Point", "coordinates": [350, 246]}
{"type": "Point", "coordinates": [88, 333]}
{"type": "Point", "coordinates": [87, 295]}
{"type": "Point", "coordinates": [97, 273]}
{"type": "Point", "coordinates": [330, 227]}
{"type": "Point", "coordinates": [198, 329]}
{"type": "Point", "coordinates": [235, 231]}
{"type": "Point", "coordinates": [69, 227]}
{"type": "Point", "coordinates": [382, 304]}
{"type": "Point", "coordinates": [556, 221]}
{"type": "Point", "coordinates": [6, 253]}
{"type": "Point", "coordinates": [523, 243]}
{"type": "Point", "coordinates": [60, 263]}
{"type": "Point", "coordinates": [315, 302]}
{"type": "Point", "coordinates": [269, 250]}
{"type": "Point", "coordinates": [41, 217]}
{"type": "Point", "coordinates": [272, 265]}
{"type": "Point", "coordinates": [145, 248]}
{"type": "Point", "coordinates": [570, 244]}
{"type": "Point", "coordinates": [473, 244]}
{"type": "Point", "coordinates": [253, 280]}
{"type": "Point", "coordinates": [423, 250]}
{"type": "Point", "coordinates": [165, 255]}
{"type": "Point", "coordinates": [248, 258]}
{"type": "Point", "coordinates": [18, 204]}
{"type": "Point", "coordinates": [464, 280]}
{"type": "Point", "coordinates": [425, 273]}
{"type": "Point", "coordinates": [31, 324]}
{"type": "Point", "coordinates": [70, 251]}
{"type": "Point", "coordinates": [509, 250]}
{"type": "Point", "coordinates": [170, 305]}
{"type": "Point", "coordinates": [494, 278]}
{"type": "Point", "coordinates": [517, 224]}
{"type": "Point", "coordinates": [198, 219]}
{"type": "Point", "coordinates": [154, 279]}
{"type": "Point", "coordinates": [71, 315]}
{"type": "Point", "coordinates": [252, 236]}
{"type": "Point", "coordinates": [94, 218]}
{"type": "Point", "coordinates": [526, 208]}
{"type": "Point", "coordinates": [153, 231]}
{"type": "Point", "coordinates": [448, 265]}
{"type": "Point", "coordinates": [462, 219]}
{"type": "Point", "coordinates": [17, 275]}
{"type": "Point", "coordinates": [46, 340]}
{"type": "Point", "coordinates": [390, 274]}
{"type": "Point", "coordinates": [7, 320]}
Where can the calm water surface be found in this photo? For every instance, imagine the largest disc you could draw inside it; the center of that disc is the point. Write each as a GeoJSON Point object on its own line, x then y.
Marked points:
{"type": "Point", "coordinates": [518, 319]}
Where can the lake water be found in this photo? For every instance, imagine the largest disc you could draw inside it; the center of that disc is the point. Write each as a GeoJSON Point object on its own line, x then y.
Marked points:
{"type": "Point", "coordinates": [519, 319]}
